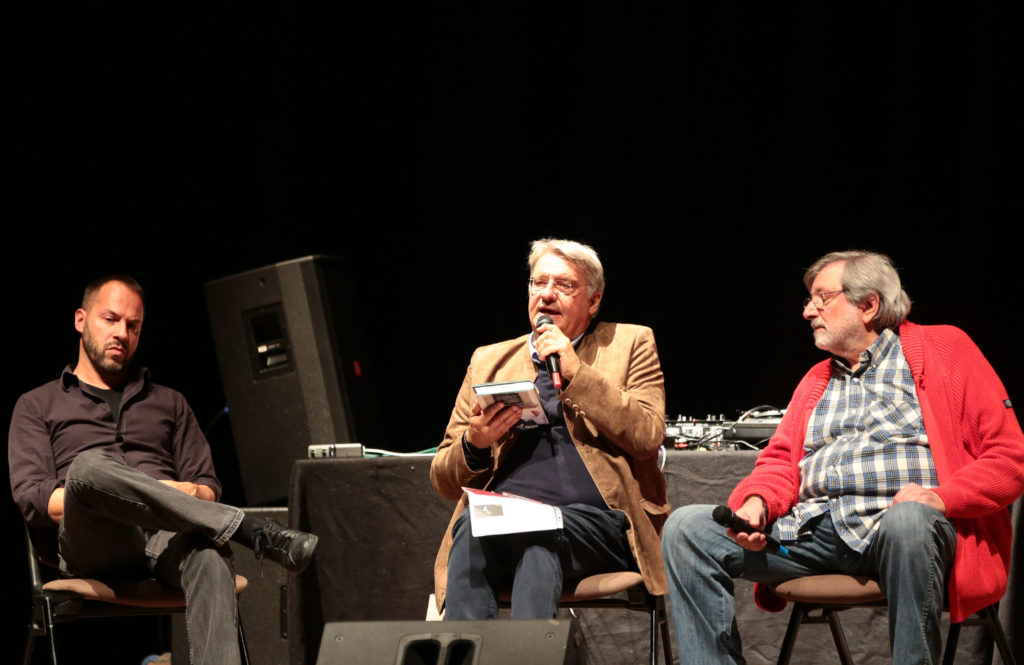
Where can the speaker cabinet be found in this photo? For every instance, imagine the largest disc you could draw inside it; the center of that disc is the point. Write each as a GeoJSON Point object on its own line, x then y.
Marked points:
{"type": "Point", "coordinates": [293, 365]}
{"type": "Point", "coordinates": [497, 642]}
{"type": "Point", "coordinates": [262, 606]}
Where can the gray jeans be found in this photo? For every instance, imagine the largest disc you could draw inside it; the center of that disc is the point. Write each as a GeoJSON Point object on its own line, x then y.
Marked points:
{"type": "Point", "coordinates": [118, 522]}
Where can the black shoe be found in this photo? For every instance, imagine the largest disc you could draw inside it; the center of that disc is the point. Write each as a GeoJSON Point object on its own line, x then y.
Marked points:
{"type": "Point", "coordinates": [291, 549]}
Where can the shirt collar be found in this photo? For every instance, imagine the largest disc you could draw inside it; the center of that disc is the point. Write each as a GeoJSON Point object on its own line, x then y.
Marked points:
{"type": "Point", "coordinates": [871, 356]}
{"type": "Point", "coordinates": [68, 378]}
{"type": "Point", "coordinates": [533, 349]}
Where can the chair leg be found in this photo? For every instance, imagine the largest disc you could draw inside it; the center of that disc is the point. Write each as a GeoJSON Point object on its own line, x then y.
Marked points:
{"type": "Point", "coordinates": [35, 629]}
{"type": "Point", "coordinates": [839, 637]}
{"type": "Point", "coordinates": [654, 638]}
{"type": "Point", "coordinates": [795, 619]}
{"type": "Point", "coordinates": [50, 630]}
{"type": "Point", "coordinates": [659, 632]}
{"type": "Point", "coordinates": [995, 629]}
{"type": "Point", "coordinates": [802, 614]}
{"type": "Point", "coordinates": [30, 643]}
{"type": "Point", "coordinates": [243, 649]}
{"type": "Point", "coordinates": [666, 639]}
{"type": "Point", "coordinates": [952, 638]}
{"type": "Point", "coordinates": [989, 618]}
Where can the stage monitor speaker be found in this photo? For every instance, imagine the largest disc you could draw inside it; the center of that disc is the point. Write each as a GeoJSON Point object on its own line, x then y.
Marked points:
{"type": "Point", "coordinates": [293, 363]}
{"type": "Point", "coordinates": [495, 642]}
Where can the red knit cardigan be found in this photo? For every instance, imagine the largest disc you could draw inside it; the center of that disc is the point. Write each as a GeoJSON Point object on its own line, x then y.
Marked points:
{"type": "Point", "coordinates": [976, 443]}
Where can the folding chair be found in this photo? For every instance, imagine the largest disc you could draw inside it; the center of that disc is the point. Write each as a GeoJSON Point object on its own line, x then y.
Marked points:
{"type": "Point", "coordinates": [62, 600]}
{"type": "Point", "coordinates": [830, 594]}
{"type": "Point", "coordinates": [620, 590]}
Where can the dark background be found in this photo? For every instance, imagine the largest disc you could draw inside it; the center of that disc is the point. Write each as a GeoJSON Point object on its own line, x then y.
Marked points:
{"type": "Point", "coordinates": [709, 153]}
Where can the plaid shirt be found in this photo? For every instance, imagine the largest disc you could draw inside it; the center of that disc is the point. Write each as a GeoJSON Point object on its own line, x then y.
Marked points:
{"type": "Point", "coordinates": [865, 441]}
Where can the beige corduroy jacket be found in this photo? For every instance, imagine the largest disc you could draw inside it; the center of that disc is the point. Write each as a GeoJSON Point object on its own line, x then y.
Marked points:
{"type": "Point", "coordinates": [615, 412]}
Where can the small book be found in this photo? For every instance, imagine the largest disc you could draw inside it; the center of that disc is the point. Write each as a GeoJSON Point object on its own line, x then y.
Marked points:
{"type": "Point", "coordinates": [523, 394]}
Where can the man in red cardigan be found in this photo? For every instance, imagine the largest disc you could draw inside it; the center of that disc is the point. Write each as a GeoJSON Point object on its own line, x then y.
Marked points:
{"type": "Point", "coordinates": [896, 459]}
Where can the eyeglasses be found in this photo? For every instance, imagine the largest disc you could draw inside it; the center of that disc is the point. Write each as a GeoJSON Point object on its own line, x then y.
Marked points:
{"type": "Point", "coordinates": [562, 286]}
{"type": "Point", "coordinates": [819, 299]}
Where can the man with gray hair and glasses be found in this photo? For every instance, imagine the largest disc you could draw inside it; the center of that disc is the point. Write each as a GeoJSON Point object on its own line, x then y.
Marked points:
{"type": "Point", "coordinates": [596, 458]}
{"type": "Point", "coordinates": [896, 459]}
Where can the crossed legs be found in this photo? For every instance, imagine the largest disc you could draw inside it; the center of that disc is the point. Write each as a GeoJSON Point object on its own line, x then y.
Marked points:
{"type": "Point", "coordinates": [120, 522]}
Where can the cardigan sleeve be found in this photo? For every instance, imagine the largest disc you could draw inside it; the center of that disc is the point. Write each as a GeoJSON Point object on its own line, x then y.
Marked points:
{"type": "Point", "coordinates": [980, 448]}
{"type": "Point", "coordinates": [776, 474]}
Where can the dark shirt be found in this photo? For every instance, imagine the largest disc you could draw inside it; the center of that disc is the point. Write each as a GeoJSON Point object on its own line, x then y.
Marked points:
{"type": "Point", "coordinates": [153, 430]}
{"type": "Point", "coordinates": [112, 396]}
{"type": "Point", "coordinates": [544, 464]}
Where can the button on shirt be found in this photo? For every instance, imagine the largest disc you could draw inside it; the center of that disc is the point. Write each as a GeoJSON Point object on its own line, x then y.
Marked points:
{"type": "Point", "coordinates": [865, 441]}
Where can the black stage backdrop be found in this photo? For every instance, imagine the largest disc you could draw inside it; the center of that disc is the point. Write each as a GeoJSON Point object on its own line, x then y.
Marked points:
{"type": "Point", "coordinates": [708, 152]}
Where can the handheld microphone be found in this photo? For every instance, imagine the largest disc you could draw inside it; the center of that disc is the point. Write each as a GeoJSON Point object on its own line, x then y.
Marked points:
{"type": "Point", "coordinates": [727, 518]}
{"type": "Point", "coordinates": [552, 361]}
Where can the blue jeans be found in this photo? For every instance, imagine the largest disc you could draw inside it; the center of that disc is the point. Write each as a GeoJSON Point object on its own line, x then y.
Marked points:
{"type": "Point", "coordinates": [119, 522]}
{"type": "Point", "coordinates": [532, 564]}
{"type": "Point", "coordinates": [910, 555]}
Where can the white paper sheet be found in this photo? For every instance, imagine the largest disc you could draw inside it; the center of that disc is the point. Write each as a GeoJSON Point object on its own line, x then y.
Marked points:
{"type": "Point", "coordinates": [493, 513]}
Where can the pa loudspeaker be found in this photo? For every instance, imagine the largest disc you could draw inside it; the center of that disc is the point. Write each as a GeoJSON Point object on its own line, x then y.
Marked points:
{"type": "Point", "coordinates": [293, 364]}
{"type": "Point", "coordinates": [494, 642]}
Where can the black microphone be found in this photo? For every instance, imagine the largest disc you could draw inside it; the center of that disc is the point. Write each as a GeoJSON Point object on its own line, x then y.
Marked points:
{"type": "Point", "coordinates": [724, 516]}
{"type": "Point", "coordinates": [552, 361]}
